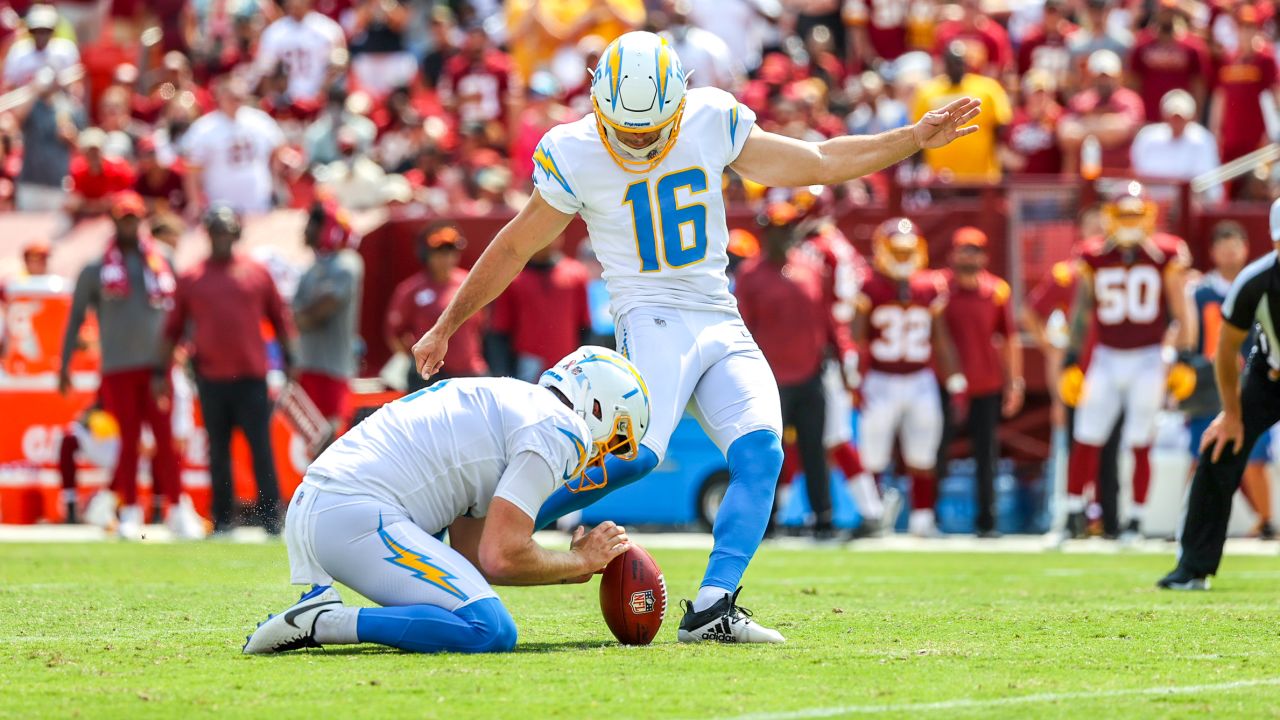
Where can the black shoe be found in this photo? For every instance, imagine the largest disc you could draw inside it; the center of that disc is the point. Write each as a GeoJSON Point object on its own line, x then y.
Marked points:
{"type": "Point", "coordinates": [1267, 531]}
{"type": "Point", "coordinates": [724, 622]}
{"type": "Point", "coordinates": [1182, 579]}
{"type": "Point", "coordinates": [1077, 526]}
{"type": "Point", "coordinates": [989, 534]}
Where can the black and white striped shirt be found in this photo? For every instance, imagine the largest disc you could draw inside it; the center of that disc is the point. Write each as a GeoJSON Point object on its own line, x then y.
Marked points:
{"type": "Point", "coordinates": [1254, 298]}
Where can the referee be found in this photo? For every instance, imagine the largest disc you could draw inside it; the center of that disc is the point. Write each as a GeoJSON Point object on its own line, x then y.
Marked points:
{"type": "Point", "coordinates": [1249, 407]}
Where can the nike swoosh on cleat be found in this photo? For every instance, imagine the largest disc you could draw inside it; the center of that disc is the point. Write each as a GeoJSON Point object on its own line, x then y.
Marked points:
{"type": "Point", "coordinates": [289, 616]}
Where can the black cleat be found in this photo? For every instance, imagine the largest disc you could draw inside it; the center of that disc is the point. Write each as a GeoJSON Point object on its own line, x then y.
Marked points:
{"type": "Point", "coordinates": [724, 622]}
{"type": "Point", "coordinates": [1182, 579]}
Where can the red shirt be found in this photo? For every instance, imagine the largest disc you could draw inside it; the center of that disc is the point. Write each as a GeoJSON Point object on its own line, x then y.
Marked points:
{"type": "Point", "coordinates": [974, 317]}
{"type": "Point", "coordinates": [1046, 52]}
{"type": "Point", "coordinates": [886, 23]}
{"type": "Point", "coordinates": [115, 176]}
{"type": "Point", "coordinates": [1241, 79]}
{"type": "Point", "coordinates": [784, 309]}
{"type": "Point", "coordinates": [1037, 141]}
{"type": "Point", "coordinates": [166, 186]}
{"type": "Point", "coordinates": [1055, 291]}
{"type": "Point", "coordinates": [1164, 65]}
{"type": "Point", "coordinates": [843, 271]}
{"type": "Point", "coordinates": [478, 87]}
{"type": "Point", "coordinates": [987, 44]}
{"type": "Point", "coordinates": [545, 310]}
{"type": "Point", "coordinates": [900, 320]}
{"type": "Point", "coordinates": [1128, 288]}
{"type": "Point", "coordinates": [226, 303]}
{"type": "Point", "coordinates": [416, 304]}
{"type": "Point", "coordinates": [1123, 101]}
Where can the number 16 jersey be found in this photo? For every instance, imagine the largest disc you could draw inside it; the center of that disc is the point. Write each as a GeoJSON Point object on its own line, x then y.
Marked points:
{"type": "Point", "coordinates": [1129, 307]}
{"type": "Point", "coordinates": [660, 235]}
{"type": "Point", "coordinates": [900, 317]}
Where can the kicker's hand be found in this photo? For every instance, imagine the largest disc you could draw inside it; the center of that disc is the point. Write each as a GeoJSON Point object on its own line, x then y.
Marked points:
{"type": "Point", "coordinates": [429, 351]}
{"type": "Point", "coordinates": [605, 542]}
{"type": "Point", "coordinates": [939, 127]}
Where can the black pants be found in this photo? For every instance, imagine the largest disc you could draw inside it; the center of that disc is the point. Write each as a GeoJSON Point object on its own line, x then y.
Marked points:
{"type": "Point", "coordinates": [804, 407]}
{"type": "Point", "coordinates": [1108, 473]}
{"type": "Point", "coordinates": [1209, 505]}
{"type": "Point", "coordinates": [227, 404]}
{"type": "Point", "coordinates": [982, 423]}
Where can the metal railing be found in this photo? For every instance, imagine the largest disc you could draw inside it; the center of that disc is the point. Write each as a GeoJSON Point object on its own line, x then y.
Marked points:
{"type": "Point", "coordinates": [1242, 165]}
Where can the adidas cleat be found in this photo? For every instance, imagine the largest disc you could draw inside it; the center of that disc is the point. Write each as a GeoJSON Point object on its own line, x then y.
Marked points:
{"type": "Point", "coordinates": [724, 622]}
{"type": "Point", "coordinates": [295, 628]}
{"type": "Point", "coordinates": [1181, 579]}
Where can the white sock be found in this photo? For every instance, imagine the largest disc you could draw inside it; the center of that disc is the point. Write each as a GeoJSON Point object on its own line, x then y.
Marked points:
{"type": "Point", "coordinates": [867, 496]}
{"type": "Point", "coordinates": [1075, 504]}
{"type": "Point", "coordinates": [708, 596]}
{"type": "Point", "coordinates": [1137, 512]}
{"type": "Point", "coordinates": [337, 627]}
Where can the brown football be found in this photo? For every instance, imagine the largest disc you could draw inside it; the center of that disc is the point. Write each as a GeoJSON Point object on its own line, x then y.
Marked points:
{"type": "Point", "coordinates": [633, 597]}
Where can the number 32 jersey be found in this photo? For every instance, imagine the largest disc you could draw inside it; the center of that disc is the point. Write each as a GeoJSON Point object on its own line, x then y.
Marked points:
{"type": "Point", "coordinates": [1129, 308]}
{"type": "Point", "coordinates": [660, 235]}
{"type": "Point", "coordinates": [900, 319]}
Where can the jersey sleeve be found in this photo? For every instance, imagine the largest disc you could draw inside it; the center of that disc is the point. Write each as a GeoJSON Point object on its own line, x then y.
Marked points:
{"type": "Point", "coordinates": [552, 179]}
{"type": "Point", "coordinates": [527, 482]}
{"type": "Point", "coordinates": [1241, 306]}
{"type": "Point", "coordinates": [559, 444]}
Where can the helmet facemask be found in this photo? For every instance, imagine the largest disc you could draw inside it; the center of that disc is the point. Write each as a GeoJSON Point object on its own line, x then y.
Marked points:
{"type": "Point", "coordinates": [638, 160]}
{"type": "Point", "coordinates": [622, 443]}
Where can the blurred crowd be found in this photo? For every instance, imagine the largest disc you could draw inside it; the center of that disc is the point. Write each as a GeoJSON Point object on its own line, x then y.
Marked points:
{"type": "Point", "coordinates": [256, 103]}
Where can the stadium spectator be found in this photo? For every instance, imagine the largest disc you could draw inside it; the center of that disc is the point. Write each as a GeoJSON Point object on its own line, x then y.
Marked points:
{"type": "Point", "coordinates": [444, 44]}
{"type": "Point", "coordinates": [1178, 148]}
{"type": "Point", "coordinates": [705, 57]}
{"type": "Point", "coordinates": [129, 289]}
{"type": "Point", "coordinates": [541, 112]}
{"type": "Point", "coordinates": [1032, 140]}
{"type": "Point", "coordinates": [476, 83]}
{"type": "Point", "coordinates": [543, 315]}
{"type": "Point", "coordinates": [326, 310]}
{"type": "Point", "coordinates": [1236, 117]}
{"type": "Point", "coordinates": [173, 82]}
{"type": "Point", "coordinates": [977, 160]}
{"type": "Point", "coordinates": [1168, 57]}
{"type": "Point", "coordinates": [231, 154]}
{"type": "Point", "coordinates": [1045, 45]}
{"type": "Point", "coordinates": [539, 30]}
{"type": "Point", "coordinates": [40, 50]}
{"type": "Point", "coordinates": [115, 120]}
{"type": "Point", "coordinates": [50, 120]}
{"type": "Point", "coordinates": [303, 41]}
{"type": "Point", "coordinates": [220, 304]}
{"type": "Point", "coordinates": [95, 179]}
{"type": "Point", "coordinates": [986, 44]}
{"type": "Point", "coordinates": [979, 316]}
{"type": "Point", "coordinates": [379, 60]}
{"type": "Point", "coordinates": [1097, 32]}
{"type": "Point", "coordinates": [321, 138]}
{"type": "Point", "coordinates": [876, 107]}
{"type": "Point", "coordinates": [781, 297]}
{"type": "Point", "coordinates": [1106, 110]}
{"type": "Point", "coordinates": [433, 181]}
{"type": "Point", "coordinates": [877, 30]}
{"type": "Point", "coordinates": [161, 185]}
{"type": "Point", "coordinates": [419, 300]}
{"type": "Point", "coordinates": [357, 179]}
{"type": "Point", "coordinates": [746, 26]}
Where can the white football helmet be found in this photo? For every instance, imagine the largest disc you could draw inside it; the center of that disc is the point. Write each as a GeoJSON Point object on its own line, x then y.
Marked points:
{"type": "Point", "coordinates": [638, 87]}
{"type": "Point", "coordinates": [606, 391]}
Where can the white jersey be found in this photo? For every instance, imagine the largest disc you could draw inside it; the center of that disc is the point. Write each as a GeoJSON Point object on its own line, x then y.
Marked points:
{"type": "Point", "coordinates": [443, 452]}
{"type": "Point", "coordinates": [24, 60]}
{"type": "Point", "coordinates": [234, 157]}
{"type": "Point", "coordinates": [304, 47]}
{"type": "Point", "coordinates": [661, 236]}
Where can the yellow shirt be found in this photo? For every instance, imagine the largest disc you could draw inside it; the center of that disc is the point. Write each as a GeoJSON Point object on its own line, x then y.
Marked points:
{"type": "Point", "coordinates": [563, 24]}
{"type": "Point", "coordinates": [972, 158]}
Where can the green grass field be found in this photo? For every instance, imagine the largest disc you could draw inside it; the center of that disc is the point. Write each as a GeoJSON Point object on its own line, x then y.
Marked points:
{"type": "Point", "coordinates": [154, 631]}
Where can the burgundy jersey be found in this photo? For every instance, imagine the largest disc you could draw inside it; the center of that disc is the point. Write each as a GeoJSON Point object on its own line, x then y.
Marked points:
{"type": "Point", "coordinates": [843, 272]}
{"type": "Point", "coordinates": [900, 317]}
{"type": "Point", "coordinates": [1129, 309]}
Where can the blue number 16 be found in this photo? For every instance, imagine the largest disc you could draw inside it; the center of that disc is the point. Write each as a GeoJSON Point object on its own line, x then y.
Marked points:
{"type": "Point", "coordinates": [672, 217]}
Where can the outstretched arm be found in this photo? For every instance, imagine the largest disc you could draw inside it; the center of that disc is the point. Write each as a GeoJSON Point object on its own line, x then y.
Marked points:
{"type": "Point", "coordinates": [530, 231]}
{"type": "Point", "coordinates": [779, 161]}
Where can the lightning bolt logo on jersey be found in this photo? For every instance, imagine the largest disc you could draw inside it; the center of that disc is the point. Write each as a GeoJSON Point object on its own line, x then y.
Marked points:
{"type": "Point", "coordinates": [661, 234]}
{"type": "Point", "coordinates": [418, 564]}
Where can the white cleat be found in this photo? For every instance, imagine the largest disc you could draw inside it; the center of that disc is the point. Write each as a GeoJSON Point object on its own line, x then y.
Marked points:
{"type": "Point", "coordinates": [294, 628]}
{"type": "Point", "coordinates": [892, 500]}
{"type": "Point", "coordinates": [101, 510]}
{"type": "Point", "coordinates": [922, 524]}
{"type": "Point", "coordinates": [184, 522]}
{"type": "Point", "coordinates": [724, 622]}
{"type": "Point", "coordinates": [130, 527]}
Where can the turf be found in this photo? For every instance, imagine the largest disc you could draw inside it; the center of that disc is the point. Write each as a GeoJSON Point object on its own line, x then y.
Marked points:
{"type": "Point", "coordinates": [142, 631]}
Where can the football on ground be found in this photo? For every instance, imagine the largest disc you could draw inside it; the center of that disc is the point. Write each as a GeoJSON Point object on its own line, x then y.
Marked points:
{"type": "Point", "coordinates": [633, 597]}
{"type": "Point", "coordinates": [113, 630]}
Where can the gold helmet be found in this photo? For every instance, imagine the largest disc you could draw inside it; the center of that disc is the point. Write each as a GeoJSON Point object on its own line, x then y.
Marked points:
{"type": "Point", "coordinates": [899, 249]}
{"type": "Point", "coordinates": [1129, 218]}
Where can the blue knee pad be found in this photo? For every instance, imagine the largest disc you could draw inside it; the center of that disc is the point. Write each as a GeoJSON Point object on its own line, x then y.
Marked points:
{"type": "Point", "coordinates": [484, 626]}
{"type": "Point", "coordinates": [755, 459]}
{"type": "Point", "coordinates": [621, 473]}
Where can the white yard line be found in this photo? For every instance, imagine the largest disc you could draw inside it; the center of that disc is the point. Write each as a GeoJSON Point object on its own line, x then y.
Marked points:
{"type": "Point", "coordinates": [1039, 698]}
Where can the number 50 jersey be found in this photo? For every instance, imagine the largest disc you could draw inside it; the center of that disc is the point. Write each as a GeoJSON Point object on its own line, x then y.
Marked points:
{"type": "Point", "coordinates": [1129, 307]}
{"type": "Point", "coordinates": [661, 235]}
{"type": "Point", "coordinates": [900, 317]}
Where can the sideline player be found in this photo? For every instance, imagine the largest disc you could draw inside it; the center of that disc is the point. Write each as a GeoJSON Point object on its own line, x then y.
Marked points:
{"type": "Point", "coordinates": [1248, 409]}
{"type": "Point", "coordinates": [899, 322]}
{"type": "Point", "coordinates": [476, 457]}
{"type": "Point", "coordinates": [644, 171]}
{"type": "Point", "coordinates": [1132, 282]}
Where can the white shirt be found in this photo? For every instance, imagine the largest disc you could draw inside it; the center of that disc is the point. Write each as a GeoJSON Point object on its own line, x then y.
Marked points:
{"type": "Point", "coordinates": [234, 157]}
{"type": "Point", "coordinates": [1157, 153]}
{"type": "Point", "coordinates": [706, 59]}
{"type": "Point", "coordinates": [304, 47]}
{"type": "Point", "coordinates": [24, 60]}
{"type": "Point", "coordinates": [739, 23]}
{"type": "Point", "coordinates": [661, 236]}
{"type": "Point", "coordinates": [448, 450]}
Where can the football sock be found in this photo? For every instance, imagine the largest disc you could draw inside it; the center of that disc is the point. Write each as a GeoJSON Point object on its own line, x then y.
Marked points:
{"type": "Point", "coordinates": [845, 456]}
{"type": "Point", "coordinates": [924, 490]}
{"type": "Point", "coordinates": [708, 595]}
{"type": "Point", "coordinates": [1082, 467]}
{"type": "Point", "coordinates": [1075, 504]}
{"type": "Point", "coordinates": [1137, 512]}
{"type": "Point", "coordinates": [621, 473]}
{"type": "Point", "coordinates": [1141, 474]}
{"type": "Point", "coordinates": [790, 463]}
{"type": "Point", "coordinates": [866, 496]}
{"type": "Point", "coordinates": [482, 626]}
{"type": "Point", "coordinates": [754, 462]}
{"type": "Point", "coordinates": [337, 627]}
